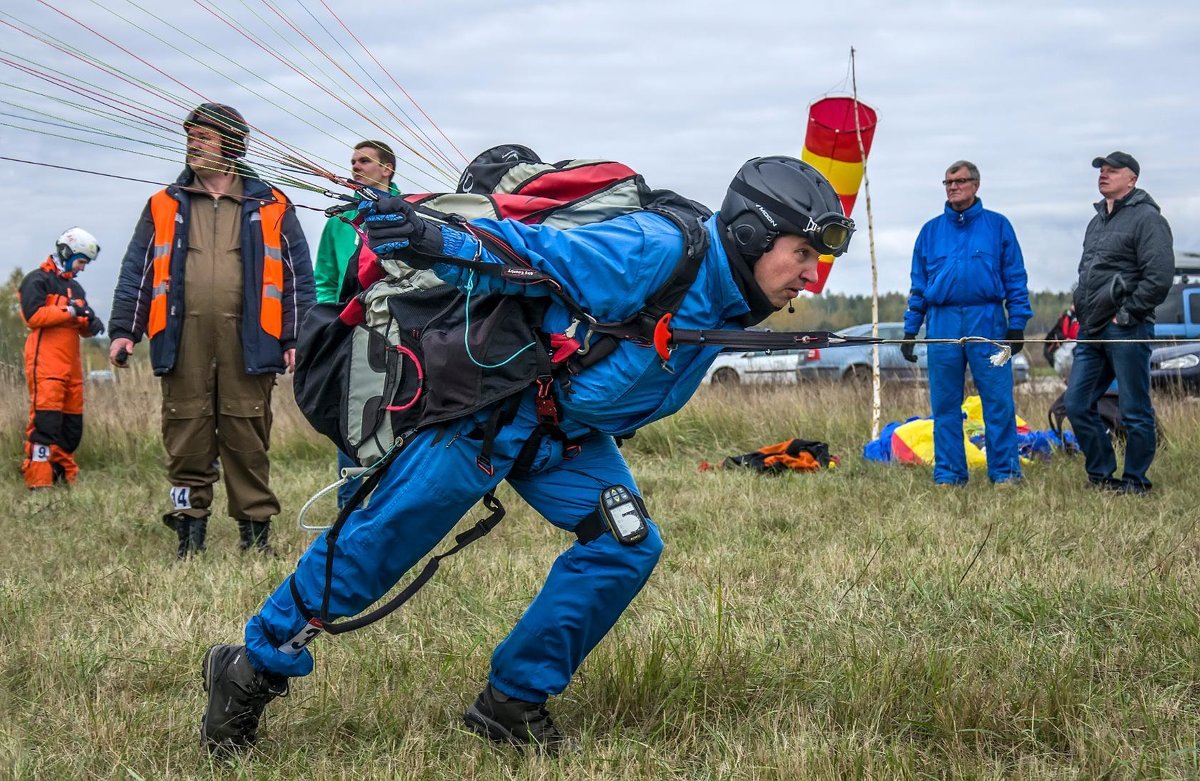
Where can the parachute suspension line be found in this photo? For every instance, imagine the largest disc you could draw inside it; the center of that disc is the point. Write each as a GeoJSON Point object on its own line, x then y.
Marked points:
{"type": "Point", "coordinates": [313, 67]}
{"type": "Point", "coordinates": [129, 178]}
{"type": "Point", "coordinates": [470, 287]}
{"type": "Point", "coordinates": [393, 79]}
{"type": "Point", "coordinates": [56, 120]}
{"type": "Point", "coordinates": [410, 125]}
{"type": "Point", "coordinates": [106, 68]}
{"type": "Point", "coordinates": [48, 134]}
{"type": "Point", "coordinates": [34, 70]}
{"type": "Point", "coordinates": [147, 127]}
{"type": "Point", "coordinates": [120, 118]}
{"type": "Point", "coordinates": [436, 166]}
{"type": "Point", "coordinates": [300, 118]}
{"type": "Point", "coordinates": [180, 103]}
{"type": "Point", "coordinates": [260, 147]}
{"type": "Point", "coordinates": [111, 42]}
{"type": "Point", "coordinates": [100, 98]}
{"type": "Point", "coordinates": [97, 95]}
{"type": "Point", "coordinates": [285, 62]}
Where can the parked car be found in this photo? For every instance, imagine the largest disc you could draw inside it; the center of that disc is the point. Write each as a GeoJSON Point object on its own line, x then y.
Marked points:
{"type": "Point", "coordinates": [1178, 366]}
{"type": "Point", "coordinates": [854, 362]}
{"type": "Point", "coordinates": [756, 367]}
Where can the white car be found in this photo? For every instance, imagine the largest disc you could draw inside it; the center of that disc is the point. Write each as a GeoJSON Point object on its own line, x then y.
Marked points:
{"type": "Point", "coordinates": [758, 367]}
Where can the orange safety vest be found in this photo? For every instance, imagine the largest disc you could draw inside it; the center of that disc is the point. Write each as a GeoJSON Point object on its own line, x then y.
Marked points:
{"type": "Point", "coordinates": [164, 209]}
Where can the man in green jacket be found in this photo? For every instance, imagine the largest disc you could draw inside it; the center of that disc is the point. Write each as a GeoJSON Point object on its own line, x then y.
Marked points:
{"type": "Point", "coordinates": [374, 164]}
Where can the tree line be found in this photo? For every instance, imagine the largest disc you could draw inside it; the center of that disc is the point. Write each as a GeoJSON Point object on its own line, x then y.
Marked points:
{"type": "Point", "coordinates": [835, 311]}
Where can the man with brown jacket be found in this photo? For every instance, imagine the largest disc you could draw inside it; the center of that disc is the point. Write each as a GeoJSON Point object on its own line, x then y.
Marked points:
{"type": "Point", "coordinates": [218, 276]}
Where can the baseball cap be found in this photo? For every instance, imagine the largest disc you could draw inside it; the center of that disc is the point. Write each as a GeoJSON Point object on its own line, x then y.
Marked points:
{"type": "Point", "coordinates": [1119, 160]}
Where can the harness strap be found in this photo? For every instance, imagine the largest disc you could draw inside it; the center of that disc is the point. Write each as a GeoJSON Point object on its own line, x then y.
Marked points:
{"type": "Point", "coordinates": [501, 416]}
{"type": "Point", "coordinates": [590, 528]}
{"type": "Point", "coordinates": [479, 530]}
{"type": "Point", "coordinates": [665, 300]}
{"type": "Point", "coordinates": [640, 326]}
{"type": "Point", "coordinates": [529, 450]}
{"type": "Point", "coordinates": [364, 490]}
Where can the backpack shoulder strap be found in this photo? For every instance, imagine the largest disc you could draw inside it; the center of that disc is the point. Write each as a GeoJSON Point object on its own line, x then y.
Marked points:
{"type": "Point", "coordinates": [668, 297]}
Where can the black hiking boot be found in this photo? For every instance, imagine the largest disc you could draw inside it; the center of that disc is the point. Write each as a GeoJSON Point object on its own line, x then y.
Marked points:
{"type": "Point", "coordinates": [506, 720]}
{"type": "Point", "coordinates": [192, 533]}
{"type": "Point", "coordinates": [237, 696]}
{"type": "Point", "coordinates": [255, 535]}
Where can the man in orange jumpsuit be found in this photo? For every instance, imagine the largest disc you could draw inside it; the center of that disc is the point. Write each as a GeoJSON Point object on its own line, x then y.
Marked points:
{"type": "Point", "coordinates": [55, 308]}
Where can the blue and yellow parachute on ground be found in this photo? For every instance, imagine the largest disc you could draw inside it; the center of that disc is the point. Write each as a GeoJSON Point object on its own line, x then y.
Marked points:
{"type": "Point", "coordinates": [911, 441]}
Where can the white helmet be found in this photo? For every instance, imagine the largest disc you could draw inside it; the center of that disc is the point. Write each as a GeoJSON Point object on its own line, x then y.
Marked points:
{"type": "Point", "coordinates": [75, 242]}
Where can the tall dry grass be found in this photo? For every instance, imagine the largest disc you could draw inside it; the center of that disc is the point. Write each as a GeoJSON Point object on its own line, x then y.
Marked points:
{"type": "Point", "coordinates": [857, 623]}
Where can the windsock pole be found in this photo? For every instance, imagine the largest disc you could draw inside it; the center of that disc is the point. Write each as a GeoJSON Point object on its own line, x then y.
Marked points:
{"type": "Point", "coordinates": [866, 185]}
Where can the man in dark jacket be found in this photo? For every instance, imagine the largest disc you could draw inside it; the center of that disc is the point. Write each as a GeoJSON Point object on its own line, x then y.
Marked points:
{"type": "Point", "coordinates": [218, 276]}
{"type": "Point", "coordinates": [1126, 271]}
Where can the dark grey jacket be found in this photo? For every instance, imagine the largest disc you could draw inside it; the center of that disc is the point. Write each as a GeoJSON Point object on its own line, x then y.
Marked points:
{"type": "Point", "coordinates": [1128, 264]}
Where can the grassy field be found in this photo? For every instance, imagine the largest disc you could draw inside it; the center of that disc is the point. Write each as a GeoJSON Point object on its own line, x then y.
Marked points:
{"type": "Point", "coordinates": [853, 624]}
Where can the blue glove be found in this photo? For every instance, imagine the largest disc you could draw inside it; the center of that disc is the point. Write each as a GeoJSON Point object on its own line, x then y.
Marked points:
{"type": "Point", "coordinates": [393, 225]}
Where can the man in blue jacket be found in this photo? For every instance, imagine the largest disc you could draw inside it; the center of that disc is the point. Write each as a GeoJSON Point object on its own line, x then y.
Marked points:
{"type": "Point", "coordinates": [778, 217]}
{"type": "Point", "coordinates": [967, 270]}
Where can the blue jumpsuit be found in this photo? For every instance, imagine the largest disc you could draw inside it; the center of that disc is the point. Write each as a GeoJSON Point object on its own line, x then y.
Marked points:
{"type": "Point", "coordinates": [966, 268]}
{"type": "Point", "coordinates": [610, 268]}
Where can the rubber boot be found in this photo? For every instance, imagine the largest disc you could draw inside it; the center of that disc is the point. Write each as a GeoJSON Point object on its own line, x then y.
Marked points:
{"type": "Point", "coordinates": [198, 534]}
{"type": "Point", "coordinates": [255, 535]}
{"type": "Point", "coordinates": [190, 531]}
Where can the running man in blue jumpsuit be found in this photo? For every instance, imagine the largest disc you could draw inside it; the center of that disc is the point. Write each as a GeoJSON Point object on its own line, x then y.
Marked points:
{"type": "Point", "coordinates": [778, 217]}
{"type": "Point", "coordinates": [966, 269]}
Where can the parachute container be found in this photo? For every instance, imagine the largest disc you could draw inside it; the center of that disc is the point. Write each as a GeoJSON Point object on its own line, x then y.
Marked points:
{"type": "Point", "coordinates": [831, 146]}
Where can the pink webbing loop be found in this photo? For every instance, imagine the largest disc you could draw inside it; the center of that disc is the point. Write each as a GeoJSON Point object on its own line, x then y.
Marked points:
{"type": "Point", "coordinates": [420, 380]}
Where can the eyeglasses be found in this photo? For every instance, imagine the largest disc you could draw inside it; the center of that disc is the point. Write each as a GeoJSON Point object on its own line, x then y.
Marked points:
{"type": "Point", "coordinates": [960, 181]}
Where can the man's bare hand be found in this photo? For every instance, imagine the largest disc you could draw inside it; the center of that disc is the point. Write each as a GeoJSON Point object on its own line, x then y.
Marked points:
{"type": "Point", "coordinates": [119, 352]}
{"type": "Point", "coordinates": [289, 357]}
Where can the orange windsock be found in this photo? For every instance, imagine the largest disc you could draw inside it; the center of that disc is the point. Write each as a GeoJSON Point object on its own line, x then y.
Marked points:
{"type": "Point", "coordinates": [831, 146]}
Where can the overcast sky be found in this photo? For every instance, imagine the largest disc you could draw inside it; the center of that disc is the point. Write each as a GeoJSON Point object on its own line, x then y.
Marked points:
{"type": "Point", "coordinates": [682, 91]}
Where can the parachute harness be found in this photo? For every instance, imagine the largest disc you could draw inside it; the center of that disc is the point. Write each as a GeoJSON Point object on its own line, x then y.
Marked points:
{"type": "Point", "coordinates": [469, 287]}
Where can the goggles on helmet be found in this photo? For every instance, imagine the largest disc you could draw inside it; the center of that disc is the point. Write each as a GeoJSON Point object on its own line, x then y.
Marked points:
{"type": "Point", "coordinates": [829, 233]}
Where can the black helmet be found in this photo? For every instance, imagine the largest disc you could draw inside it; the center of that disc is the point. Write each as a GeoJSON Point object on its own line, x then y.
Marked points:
{"type": "Point", "coordinates": [227, 121]}
{"type": "Point", "coordinates": [774, 195]}
{"type": "Point", "coordinates": [483, 174]}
